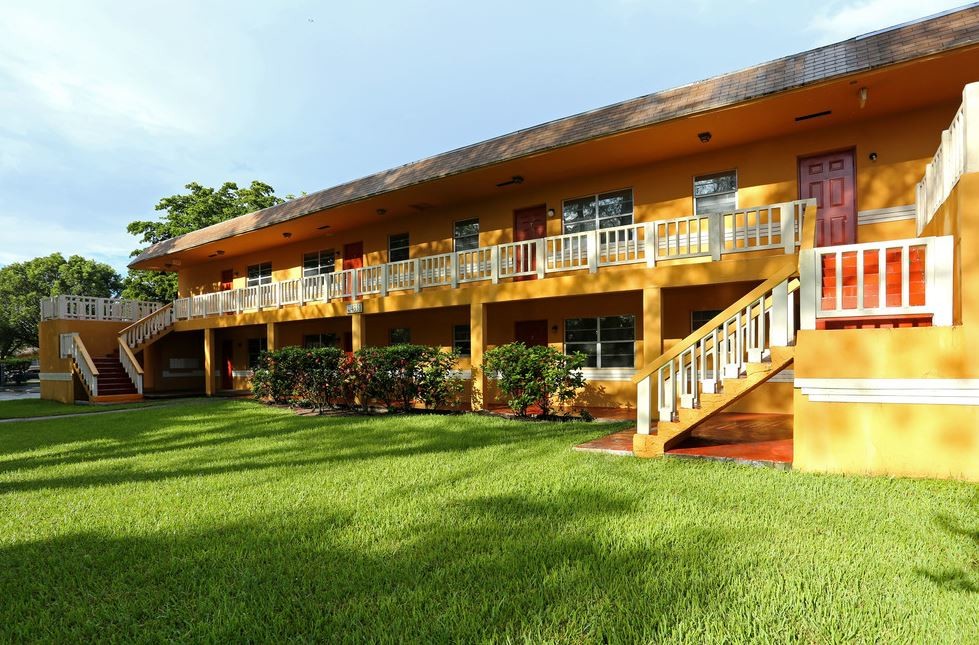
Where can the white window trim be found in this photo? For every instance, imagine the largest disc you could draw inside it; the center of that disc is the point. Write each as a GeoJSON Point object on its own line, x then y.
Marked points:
{"type": "Point", "coordinates": [598, 341]}
{"type": "Point", "coordinates": [595, 196]}
{"type": "Point", "coordinates": [248, 280]}
{"type": "Point", "coordinates": [319, 260]}
{"type": "Point", "coordinates": [737, 181]}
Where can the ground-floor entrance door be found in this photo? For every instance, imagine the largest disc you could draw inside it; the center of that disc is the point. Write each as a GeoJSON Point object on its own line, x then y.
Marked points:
{"type": "Point", "coordinates": [830, 178]}
{"type": "Point", "coordinates": [530, 332]}
{"type": "Point", "coordinates": [529, 224]}
{"type": "Point", "coordinates": [227, 365]}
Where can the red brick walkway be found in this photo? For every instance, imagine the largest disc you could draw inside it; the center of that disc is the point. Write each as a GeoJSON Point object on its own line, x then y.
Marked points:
{"type": "Point", "coordinates": [756, 438]}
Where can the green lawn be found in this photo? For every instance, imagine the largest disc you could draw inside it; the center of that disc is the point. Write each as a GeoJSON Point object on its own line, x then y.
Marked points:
{"type": "Point", "coordinates": [231, 522]}
{"type": "Point", "coordinates": [24, 408]}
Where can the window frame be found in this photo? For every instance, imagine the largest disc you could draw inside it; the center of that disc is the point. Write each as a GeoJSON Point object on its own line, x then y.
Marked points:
{"type": "Point", "coordinates": [456, 341]}
{"type": "Point", "coordinates": [260, 281]}
{"type": "Point", "coordinates": [598, 342]}
{"type": "Point", "coordinates": [320, 266]}
{"type": "Point", "coordinates": [713, 314]}
{"type": "Point", "coordinates": [456, 237]}
{"type": "Point", "coordinates": [263, 346]}
{"type": "Point", "coordinates": [406, 248]}
{"type": "Point", "coordinates": [693, 189]}
{"type": "Point", "coordinates": [320, 338]}
{"type": "Point", "coordinates": [597, 219]}
{"type": "Point", "coordinates": [391, 332]}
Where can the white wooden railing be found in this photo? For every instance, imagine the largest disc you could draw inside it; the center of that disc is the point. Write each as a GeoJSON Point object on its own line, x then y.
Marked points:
{"type": "Point", "coordinates": [131, 365]}
{"type": "Point", "coordinates": [90, 308]}
{"type": "Point", "coordinates": [72, 347]}
{"type": "Point", "coordinates": [892, 278]}
{"type": "Point", "coordinates": [148, 327]}
{"type": "Point", "coordinates": [957, 154]}
{"type": "Point", "coordinates": [743, 333]}
{"type": "Point", "coordinates": [769, 227]}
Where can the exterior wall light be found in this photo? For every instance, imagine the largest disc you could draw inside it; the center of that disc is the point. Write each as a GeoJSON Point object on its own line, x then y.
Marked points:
{"type": "Point", "coordinates": [872, 156]}
{"type": "Point", "coordinates": [550, 212]}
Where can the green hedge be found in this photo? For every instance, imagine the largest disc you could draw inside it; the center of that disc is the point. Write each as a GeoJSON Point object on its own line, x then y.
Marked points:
{"type": "Point", "coordinates": [535, 376]}
{"type": "Point", "coordinates": [399, 377]}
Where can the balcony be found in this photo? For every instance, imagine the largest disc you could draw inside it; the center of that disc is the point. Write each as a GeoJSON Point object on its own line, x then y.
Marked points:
{"type": "Point", "coordinates": [765, 228]}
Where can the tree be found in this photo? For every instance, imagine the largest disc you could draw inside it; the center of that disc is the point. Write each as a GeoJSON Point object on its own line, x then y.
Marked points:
{"type": "Point", "coordinates": [23, 284]}
{"type": "Point", "coordinates": [202, 206]}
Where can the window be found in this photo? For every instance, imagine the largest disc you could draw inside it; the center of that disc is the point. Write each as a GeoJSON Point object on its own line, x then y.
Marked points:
{"type": "Point", "coordinates": [398, 247]}
{"type": "Point", "coordinates": [255, 347]}
{"type": "Point", "coordinates": [260, 274]}
{"type": "Point", "coordinates": [609, 341]}
{"type": "Point", "coordinates": [466, 234]}
{"type": "Point", "coordinates": [460, 340]}
{"type": "Point", "coordinates": [320, 340]}
{"type": "Point", "coordinates": [700, 318]}
{"type": "Point", "coordinates": [318, 263]}
{"type": "Point", "coordinates": [597, 211]}
{"type": "Point", "coordinates": [717, 193]}
{"type": "Point", "coordinates": [399, 336]}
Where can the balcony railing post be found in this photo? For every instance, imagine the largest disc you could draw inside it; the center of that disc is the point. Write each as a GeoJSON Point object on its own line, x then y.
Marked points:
{"type": "Point", "coordinates": [541, 262]}
{"type": "Point", "coordinates": [650, 244]}
{"type": "Point", "coordinates": [416, 266]}
{"type": "Point", "coordinates": [384, 279]}
{"type": "Point", "coordinates": [808, 290]}
{"type": "Point", "coordinates": [592, 242]}
{"type": "Point", "coordinates": [494, 260]}
{"type": "Point", "coordinates": [939, 287]}
{"type": "Point", "coordinates": [715, 235]}
{"type": "Point", "coordinates": [970, 125]}
{"type": "Point", "coordinates": [278, 295]}
{"type": "Point", "coordinates": [787, 222]}
{"type": "Point", "coordinates": [644, 406]}
{"type": "Point", "coordinates": [454, 269]}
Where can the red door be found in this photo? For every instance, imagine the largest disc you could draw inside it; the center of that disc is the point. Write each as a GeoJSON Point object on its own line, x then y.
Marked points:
{"type": "Point", "coordinates": [530, 332]}
{"type": "Point", "coordinates": [227, 279]}
{"type": "Point", "coordinates": [353, 258]}
{"type": "Point", "coordinates": [529, 224]}
{"type": "Point", "coordinates": [227, 365]}
{"type": "Point", "coordinates": [830, 179]}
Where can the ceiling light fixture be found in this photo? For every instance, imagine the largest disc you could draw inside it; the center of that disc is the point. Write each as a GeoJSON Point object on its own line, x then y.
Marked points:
{"type": "Point", "coordinates": [382, 211]}
{"type": "Point", "coordinates": [704, 137]}
{"type": "Point", "coordinates": [323, 228]}
{"type": "Point", "coordinates": [287, 235]}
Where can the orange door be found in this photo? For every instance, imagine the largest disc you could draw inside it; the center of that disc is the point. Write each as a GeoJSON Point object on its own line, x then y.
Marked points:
{"type": "Point", "coordinates": [353, 258]}
{"type": "Point", "coordinates": [227, 279]}
{"type": "Point", "coordinates": [830, 179]}
{"type": "Point", "coordinates": [529, 224]}
{"type": "Point", "coordinates": [227, 365]}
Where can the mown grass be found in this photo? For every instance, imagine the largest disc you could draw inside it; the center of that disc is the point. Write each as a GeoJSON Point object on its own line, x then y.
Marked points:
{"type": "Point", "coordinates": [232, 522]}
{"type": "Point", "coordinates": [26, 408]}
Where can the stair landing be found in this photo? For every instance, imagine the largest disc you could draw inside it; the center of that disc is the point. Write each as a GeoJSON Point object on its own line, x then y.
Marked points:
{"type": "Point", "coordinates": [760, 439]}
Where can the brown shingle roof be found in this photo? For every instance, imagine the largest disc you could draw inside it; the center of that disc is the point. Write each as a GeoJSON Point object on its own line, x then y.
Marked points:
{"type": "Point", "coordinates": [903, 43]}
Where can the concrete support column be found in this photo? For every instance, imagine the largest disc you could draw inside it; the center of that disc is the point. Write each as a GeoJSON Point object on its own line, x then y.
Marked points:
{"type": "Point", "coordinates": [652, 324]}
{"type": "Point", "coordinates": [358, 331]}
{"type": "Point", "coordinates": [270, 336]}
{"type": "Point", "coordinates": [477, 341]}
{"type": "Point", "coordinates": [210, 361]}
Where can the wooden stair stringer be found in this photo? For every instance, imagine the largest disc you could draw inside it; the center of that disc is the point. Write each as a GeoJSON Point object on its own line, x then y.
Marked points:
{"type": "Point", "coordinates": [670, 433]}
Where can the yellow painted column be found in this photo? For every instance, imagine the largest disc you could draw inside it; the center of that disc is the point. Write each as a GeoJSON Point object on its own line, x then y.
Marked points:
{"type": "Point", "coordinates": [477, 341]}
{"type": "Point", "coordinates": [270, 336]}
{"type": "Point", "coordinates": [210, 361]}
{"type": "Point", "coordinates": [652, 325]}
{"type": "Point", "coordinates": [647, 413]}
{"type": "Point", "coordinates": [358, 332]}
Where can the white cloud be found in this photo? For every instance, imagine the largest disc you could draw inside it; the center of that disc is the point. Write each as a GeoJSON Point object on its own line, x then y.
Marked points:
{"type": "Point", "coordinates": [33, 240]}
{"type": "Point", "coordinates": [842, 20]}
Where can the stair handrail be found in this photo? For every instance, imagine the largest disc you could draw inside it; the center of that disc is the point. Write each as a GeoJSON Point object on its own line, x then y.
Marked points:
{"type": "Point", "coordinates": [131, 365]}
{"type": "Point", "coordinates": [133, 339]}
{"type": "Point", "coordinates": [786, 272]}
{"type": "Point", "coordinates": [85, 367]}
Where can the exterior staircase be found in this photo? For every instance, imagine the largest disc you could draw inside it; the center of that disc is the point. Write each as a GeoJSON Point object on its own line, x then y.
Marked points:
{"type": "Point", "coordinates": [114, 384]}
{"type": "Point", "coordinates": [740, 349]}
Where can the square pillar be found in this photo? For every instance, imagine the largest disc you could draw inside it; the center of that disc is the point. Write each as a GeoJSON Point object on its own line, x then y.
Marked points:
{"type": "Point", "coordinates": [652, 348]}
{"type": "Point", "coordinates": [210, 361]}
{"type": "Point", "coordinates": [477, 341]}
{"type": "Point", "coordinates": [270, 336]}
{"type": "Point", "coordinates": [358, 331]}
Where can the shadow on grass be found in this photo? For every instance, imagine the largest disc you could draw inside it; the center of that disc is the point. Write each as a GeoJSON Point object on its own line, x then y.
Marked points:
{"type": "Point", "coordinates": [964, 579]}
{"type": "Point", "coordinates": [507, 567]}
{"type": "Point", "coordinates": [241, 436]}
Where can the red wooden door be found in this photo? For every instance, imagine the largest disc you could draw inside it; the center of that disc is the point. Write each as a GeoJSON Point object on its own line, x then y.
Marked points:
{"type": "Point", "coordinates": [529, 224]}
{"type": "Point", "coordinates": [227, 279]}
{"type": "Point", "coordinates": [830, 179]}
{"type": "Point", "coordinates": [353, 258]}
{"type": "Point", "coordinates": [227, 365]}
{"type": "Point", "coordinates": [530, 332]}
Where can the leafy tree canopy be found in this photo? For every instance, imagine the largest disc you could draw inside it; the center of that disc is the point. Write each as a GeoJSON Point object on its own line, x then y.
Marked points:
{"type": "Point", "coordinates": [200, 207]}
{"type": "Point", "coordinates": [23, 284]}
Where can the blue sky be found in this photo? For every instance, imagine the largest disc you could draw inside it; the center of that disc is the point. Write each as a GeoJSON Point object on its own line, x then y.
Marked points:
{"type": "Point", "coordinates": [107, 106]}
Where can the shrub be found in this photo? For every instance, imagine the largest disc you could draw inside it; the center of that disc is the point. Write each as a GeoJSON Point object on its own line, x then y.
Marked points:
{"type": "Point", "coordinates": [402, 364]}
{"type": "Point", "coordinates": [320, 376]}
{"type": "Point", "coordinates": [16, 369]}
{"type": "Point", "coordinates": [437, 386]}
{"type": "Point", "coordinates": [540, 376]}
{"type": "Point", "coordinates": [277, 375]}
